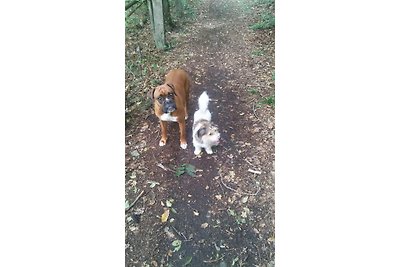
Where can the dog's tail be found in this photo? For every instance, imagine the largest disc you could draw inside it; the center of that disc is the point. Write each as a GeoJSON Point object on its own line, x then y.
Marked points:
{"type": "Point", "coordinates": [203, 101]}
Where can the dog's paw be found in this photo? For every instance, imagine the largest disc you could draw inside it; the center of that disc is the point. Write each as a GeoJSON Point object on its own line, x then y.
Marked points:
{"type": "Point", "coordinates": [197, 152]}
{"type": "Point", "coordinates": [209, 151]}
{"type": "Point", "coordinates": [183, 145]}
{"type": "Point", "coordinates": [162, 143]}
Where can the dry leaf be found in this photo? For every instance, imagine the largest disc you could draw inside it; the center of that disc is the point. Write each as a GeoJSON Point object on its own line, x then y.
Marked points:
{"type": "Point", "coordinates": [204, 225]}
{"type": "Point", "coordinates": [165, 215]}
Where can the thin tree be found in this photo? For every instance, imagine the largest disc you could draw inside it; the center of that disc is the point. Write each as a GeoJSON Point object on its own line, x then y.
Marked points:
{"type": "Point", "coordinates": [167, 15]}
{"type": "Point", "coordinates": [157, 14]}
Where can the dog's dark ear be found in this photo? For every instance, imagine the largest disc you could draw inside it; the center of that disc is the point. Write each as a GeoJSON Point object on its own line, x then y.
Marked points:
{"type": "Point", "coordinates": [201, 132]}
{"type": "Point", "coordinates": [150, 93]}
{"type": "Point", "coordinates": [172, 87]}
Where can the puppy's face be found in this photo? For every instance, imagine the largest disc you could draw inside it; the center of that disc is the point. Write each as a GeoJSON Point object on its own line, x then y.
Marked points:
{"type": "Point", "coordinates": [164, 96]}
{"type": "Point", "coordinates": [209, 135]}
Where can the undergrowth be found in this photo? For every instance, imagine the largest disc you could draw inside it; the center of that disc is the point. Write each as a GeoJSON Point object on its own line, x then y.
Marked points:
{"type": "Point", "coordinates": [267, 18]}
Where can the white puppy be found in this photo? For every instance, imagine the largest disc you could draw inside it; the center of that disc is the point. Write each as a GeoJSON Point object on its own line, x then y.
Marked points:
{"type": "Point", "coordinates": [205, 134]}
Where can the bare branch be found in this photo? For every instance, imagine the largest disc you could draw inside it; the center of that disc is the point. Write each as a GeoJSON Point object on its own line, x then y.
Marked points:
{"type": "Point", "coordinates": [136, 200]}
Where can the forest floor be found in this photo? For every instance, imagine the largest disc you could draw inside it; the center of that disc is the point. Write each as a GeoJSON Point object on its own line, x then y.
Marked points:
{"type": "Point", "coordinates": [223, 213]}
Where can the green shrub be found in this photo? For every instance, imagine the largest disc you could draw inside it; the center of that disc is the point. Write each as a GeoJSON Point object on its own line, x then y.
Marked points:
{"type": "Point", "coordinates": [267, 22]}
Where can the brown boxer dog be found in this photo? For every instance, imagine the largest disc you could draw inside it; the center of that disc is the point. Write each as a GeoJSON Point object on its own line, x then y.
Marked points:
{"type": "Point", "coordinates": [170, 103]}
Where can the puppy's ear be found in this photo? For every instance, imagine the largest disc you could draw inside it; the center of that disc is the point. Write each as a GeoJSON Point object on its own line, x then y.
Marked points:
{"type": "Point", "coordinates": [150, 93]}
{"type": "Point", "coordinates": [201, 132]}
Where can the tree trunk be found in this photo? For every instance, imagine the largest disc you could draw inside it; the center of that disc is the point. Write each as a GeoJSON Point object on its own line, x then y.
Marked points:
{"type": "Point", "coordinates": [167, 15]}
{"type": "Point", "coordinates": [159, 31]}
{"type": "Point", "coordinates": [151, 15]}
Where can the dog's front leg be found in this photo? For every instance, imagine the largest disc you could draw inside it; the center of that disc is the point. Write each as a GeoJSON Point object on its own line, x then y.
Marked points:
{"type": "Point", "coordinates": [182, 131]}
{"type": "Point", "coordinates": [164, 137]}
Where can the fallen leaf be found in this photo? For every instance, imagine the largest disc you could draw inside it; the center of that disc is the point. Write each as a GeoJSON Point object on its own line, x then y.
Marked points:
{"type": "Point", "coordinates": [231, 212]}
{"type": "Point", "coordinates": [153, 183]}
{"type": "Point", "coordinates": [169, 202]}
{"type": "Point", "coordinates": [204, 225]}
{"type": "Point", "coordinates": [165, 215]}
{"type": "Point", "coordinates": [177, 245]}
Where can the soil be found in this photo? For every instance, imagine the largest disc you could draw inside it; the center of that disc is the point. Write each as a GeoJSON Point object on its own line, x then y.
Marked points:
{"type": "Point", "coordinates": [224, 215]}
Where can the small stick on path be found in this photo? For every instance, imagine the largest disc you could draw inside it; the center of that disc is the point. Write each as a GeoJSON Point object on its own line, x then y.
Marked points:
{"type": "Point", "coordinates": [136, 200]}
{"type": "Point", "coordinates": [253, 171]}
{"type": "Point", "coordinates": [240, 192]}
{"type": "Point", "coordinates": [163, 167]}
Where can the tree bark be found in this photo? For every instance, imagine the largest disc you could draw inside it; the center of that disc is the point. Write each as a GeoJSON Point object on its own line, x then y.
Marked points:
{"type": "Point", "coordinates": [167, 15]}
{"type": "Point", "coordinates": [159, 30]}
{"type": "Point", "coordinates": [151, 15]}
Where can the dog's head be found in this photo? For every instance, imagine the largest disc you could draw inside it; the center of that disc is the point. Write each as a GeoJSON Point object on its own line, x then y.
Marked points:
{"type": "Point", "coordinates": [164, 96]}
{"type": "Point", "coordinates": [208, 134]}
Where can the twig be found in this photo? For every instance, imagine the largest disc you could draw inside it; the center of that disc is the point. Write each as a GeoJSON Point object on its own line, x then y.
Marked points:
{"type": "Point", "coordinates": [131, 4]}
{"type": "Point", "coordinates": [253, 171]}
{"type": "Point", "coordinates": [133, 11]}
{"type": "Point", "coordinates": [136, 200]}
{"type": "Point", "coordinates": [240, 192]}
{"type": "Point", "coordinates": [217, 259]}
{"type": "Point", "coordinates": [163, 167]}
{"type": "Point", "coordinates": [179, 233]}
{"type": "Point", "coordinates": [254, 112]}
{"type": "Point", "coordinates": [255, 115]}
{"type": "Point", "coordinates": [230, 188]}
{"type": "Point", "coordinates": [249, 162]}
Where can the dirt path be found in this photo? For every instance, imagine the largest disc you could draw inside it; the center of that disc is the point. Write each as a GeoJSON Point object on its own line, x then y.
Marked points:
{"type": "Point", "coordinates": [224, 216]}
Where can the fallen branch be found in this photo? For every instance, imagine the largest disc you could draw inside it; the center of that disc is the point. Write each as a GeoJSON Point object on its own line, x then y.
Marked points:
{"type": "Point", "coordinates": [239, 192]}
{"type": "Point", "coordinates": [217, 259]}
{"type": "Point", "coordinates": [136, 200]}
{"type": "Point", "coordinates": [249, 162]}
{"type": "Point", "coordinates": [131, 4]}
{"type": "Point", "coordinates": [179, 233]}
{"type": "Point", "coordinates": [163, 167]}
{"type": "Point", "coordinates": [133, 11]}
{"type": "Point", "coordinates": [255, 115]}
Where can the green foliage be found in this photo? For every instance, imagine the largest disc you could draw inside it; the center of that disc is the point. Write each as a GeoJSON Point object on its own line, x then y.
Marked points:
{"type": "Point", "coordinates": [257, 53]}
{"type": "Point", "coordinates": [267, 19]}
{"type": "Point", "coordinates": [136, 16]}
{"type": "Point", "coordinates": [239, 219]}
{"type": "Point", "coordinates": [185, 168]}
{"type": "Point", "coordinates": [254, 91]}
{"type": "Point", "coordinates": [270, 101]}
{"type": "Point", "coordinates": [267, 3]}
{"type": "Point", "coordinates": [188, 12]}
{"type": "Point", "coordinates": [267, 22]}
{"type": "Point", "coordinates": [177, 245]}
